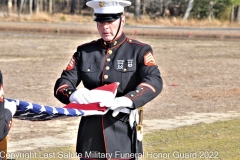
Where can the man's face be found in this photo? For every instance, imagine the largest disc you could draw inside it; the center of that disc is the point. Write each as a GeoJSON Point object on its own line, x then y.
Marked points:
{"type": "Point", "coordinates": [108, 30]}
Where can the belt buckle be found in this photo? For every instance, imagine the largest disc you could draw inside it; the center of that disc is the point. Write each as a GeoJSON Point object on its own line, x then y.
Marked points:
{"type": "Point", "coordinates": [140, 128]}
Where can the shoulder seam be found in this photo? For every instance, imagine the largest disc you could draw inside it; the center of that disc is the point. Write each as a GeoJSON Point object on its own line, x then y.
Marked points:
{"type": "Point", "coordinates": [132, 41]}
{"type": "Point", "coordinates": [84, 44]}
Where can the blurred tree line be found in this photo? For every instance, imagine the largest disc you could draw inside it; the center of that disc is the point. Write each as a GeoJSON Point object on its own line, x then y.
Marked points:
{"type": "Point", "coordinates": [185, 9]}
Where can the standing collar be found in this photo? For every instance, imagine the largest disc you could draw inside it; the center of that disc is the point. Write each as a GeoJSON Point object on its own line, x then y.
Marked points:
{"type": "Point", "coordinates": [114, 43]}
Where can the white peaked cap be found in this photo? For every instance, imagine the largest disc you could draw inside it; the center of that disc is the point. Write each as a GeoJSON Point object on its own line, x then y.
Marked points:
{"type": "Point", "coordinates": [108, 6]}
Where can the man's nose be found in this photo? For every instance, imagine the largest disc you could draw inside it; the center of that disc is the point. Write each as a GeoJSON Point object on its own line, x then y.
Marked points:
{"type": "Point", "coordinates": [106, 25]}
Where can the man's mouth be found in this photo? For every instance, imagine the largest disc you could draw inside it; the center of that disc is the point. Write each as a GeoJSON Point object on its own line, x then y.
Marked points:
{"type": "Point", "coordinates": [107, 34]}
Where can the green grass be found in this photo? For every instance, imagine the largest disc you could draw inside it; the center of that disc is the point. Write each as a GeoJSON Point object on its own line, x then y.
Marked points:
{"type": "Point", "coordinates": [219, 140]}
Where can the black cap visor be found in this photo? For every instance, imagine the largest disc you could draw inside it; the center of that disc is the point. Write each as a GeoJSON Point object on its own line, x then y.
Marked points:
{"type": "Point", "coordinates": [107, 17]}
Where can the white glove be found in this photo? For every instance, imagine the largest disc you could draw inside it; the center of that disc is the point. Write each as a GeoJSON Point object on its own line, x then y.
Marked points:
{"type": "Point", "coordinates": [117, 104]}
{"type": "Point", "coordinates": [81, 96]}
{"type": "Point", "coordinates": [11, 106]}
{"type": "Point", "coordinates": [134, 116]}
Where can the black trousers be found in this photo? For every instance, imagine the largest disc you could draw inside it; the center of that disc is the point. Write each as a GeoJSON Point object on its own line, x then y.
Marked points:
{"type": "Point", "coordinates": [98, 135]}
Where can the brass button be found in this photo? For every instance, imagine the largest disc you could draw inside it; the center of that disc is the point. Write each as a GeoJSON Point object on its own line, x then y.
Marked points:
{"type": "Point", "coordinates": [88, 70]}
{"type": "Point", "coordinates": [107, 68]}
{"type": "Point", "coordinates": [105, 43]}
{"type": "Point", "coordinates": [137, 91]}
{"type": "Point", "coordinates": [108, 59]}
{"type": "Point", "coordinates": [110, 52]}
{"type": "Point", "coordinates": [115, 42]}
{"type": "Point", "coordinates": [132, 95]}
{"type": "Point", "coordinates": [105, 76]}
{"type": "Point", "coordinates": [124, 69]}
{"type": "Point", "coordinates": [130, 40]}
{"type": "Point", "coordinates": [69, 92]}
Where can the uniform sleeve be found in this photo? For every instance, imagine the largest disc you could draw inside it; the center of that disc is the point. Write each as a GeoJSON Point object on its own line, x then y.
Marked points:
{"type": "Point", "coordinates": [5, 114]}
{"type": "Point", "coordinates": [5, 123]}
{"type": "Point", "coordinates": [68, 81]}
{"type": "Point", "coordinates": [151, 82]}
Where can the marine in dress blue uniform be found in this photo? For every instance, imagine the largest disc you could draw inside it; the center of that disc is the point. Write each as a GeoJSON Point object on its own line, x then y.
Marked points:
{"type": "Point", "coordinates": [97, 63]}
{"type": "Point", "coordinates": [7, 110]}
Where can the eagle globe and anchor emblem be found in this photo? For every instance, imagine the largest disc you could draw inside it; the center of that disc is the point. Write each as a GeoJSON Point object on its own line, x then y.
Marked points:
{"type": "Point", "coordinates": [101, 4]}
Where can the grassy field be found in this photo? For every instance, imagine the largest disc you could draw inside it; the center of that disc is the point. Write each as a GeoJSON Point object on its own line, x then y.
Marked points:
{"type": "Point", "coordinates": [219, 140]}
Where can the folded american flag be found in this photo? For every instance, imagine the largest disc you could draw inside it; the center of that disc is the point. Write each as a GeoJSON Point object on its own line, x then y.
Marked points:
{"type": "Point", "coordinates": [37, 112]}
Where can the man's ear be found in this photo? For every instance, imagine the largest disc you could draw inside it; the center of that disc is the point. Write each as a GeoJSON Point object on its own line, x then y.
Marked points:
{"type": "Point", "coordinates": [123, 20]}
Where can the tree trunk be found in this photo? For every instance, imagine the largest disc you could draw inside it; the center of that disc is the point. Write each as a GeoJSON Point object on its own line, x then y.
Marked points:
{"type": "Point", "coordinates": [210, 16]}
{"type": "Point", "coordinates": [15, 6]}
{"type": "Point", "coordinates": [35, 8]}
{"type": "Point", "coordinates": [144, 7]}
{"type": "Point", "coordinates": [137, 9]}
{"type": "Point", "coordinates": [30, 6]}
{"type": "Point", "coordinates": [9, 7]}
{"type": "Point", "coordinates": [21, 8]}
{"type": "Point", "coordinates": [161, 7]}
{"type": "Point", "coordinates": [80, 7]}
{"type": "Point", "coordinates": [73, 6]}
{"type": "Point", "coordinates": [238, 14]}
{"type": "Point", "coordinates": [50, 6]}
{"type": "Point", "coordinates": [24, 5]}
{"type": "Point", "coordinates": [189, 8]}
{"type": "Point", "coordinates": [40, 5]}
{"type": "Point", "coordinates": [45, 5]}
{"type": "Point", "coordinates": [232, 14]}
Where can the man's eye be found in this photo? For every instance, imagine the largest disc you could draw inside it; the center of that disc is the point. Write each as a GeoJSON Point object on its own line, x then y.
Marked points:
{"type": "Point", "coordinates": [107, 23]}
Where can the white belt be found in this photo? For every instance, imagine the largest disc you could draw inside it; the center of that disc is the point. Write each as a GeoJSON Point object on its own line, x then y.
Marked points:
{"type": "Point", "coordinates": [124, 110]}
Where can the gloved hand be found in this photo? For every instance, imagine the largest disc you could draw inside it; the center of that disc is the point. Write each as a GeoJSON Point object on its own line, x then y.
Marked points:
{"type": "Point", "coordinates": [117, 104]}
{"type": "Point", "coordinates": [81, 96]}
{"type": "Point", "coordinates": [10, 106]}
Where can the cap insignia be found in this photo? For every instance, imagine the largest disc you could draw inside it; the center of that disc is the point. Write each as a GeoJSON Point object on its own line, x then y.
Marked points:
{"type": "Point", "coordinates": [101, 4]}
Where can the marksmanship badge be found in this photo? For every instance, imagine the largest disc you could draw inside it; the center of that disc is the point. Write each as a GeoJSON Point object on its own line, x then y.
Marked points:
{"type": "Point", "coordinates": [120, 64]}
{"type": "Point", "coordinates": [130, 62]}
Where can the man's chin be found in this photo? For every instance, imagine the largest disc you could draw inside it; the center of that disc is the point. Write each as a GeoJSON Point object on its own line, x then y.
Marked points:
{"type": "Point", "coordinates": [107, 38]}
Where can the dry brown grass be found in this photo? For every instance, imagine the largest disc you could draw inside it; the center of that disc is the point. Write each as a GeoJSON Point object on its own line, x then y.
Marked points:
{"type": "Point", "coordinates": [45, 17]}
{"type": "Point", "coordinates": [144, 20]}
{"type": "Point", "coordinates": [180, 22]}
